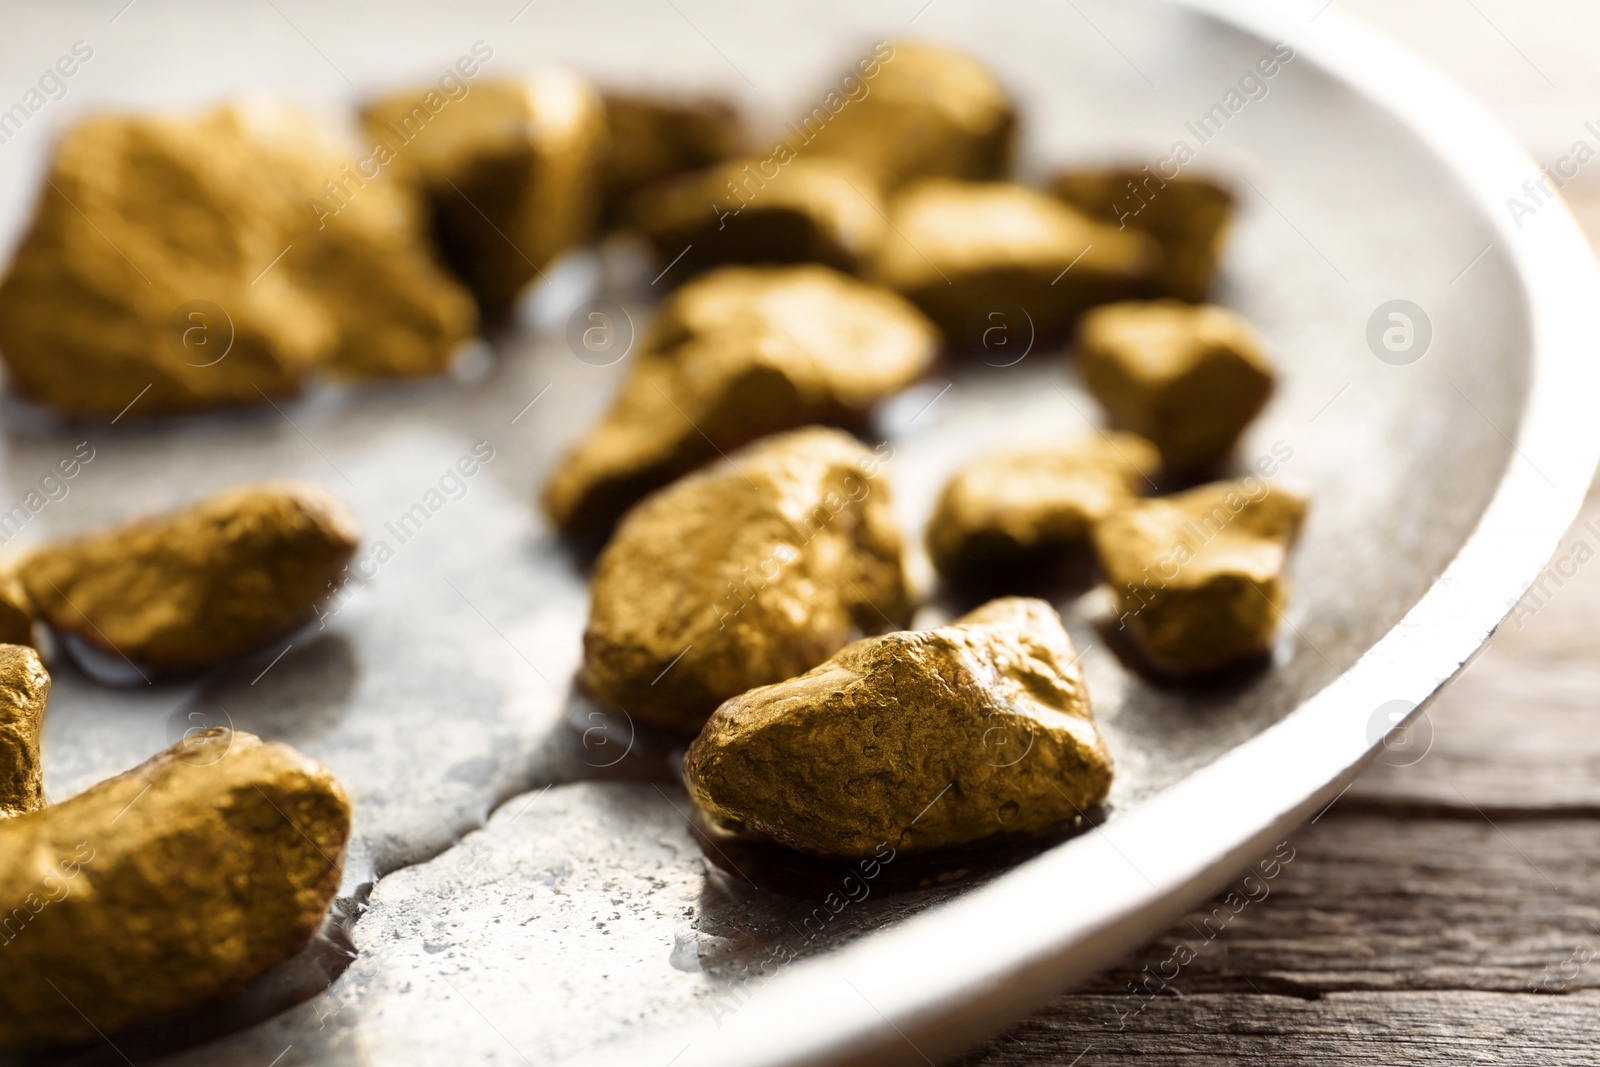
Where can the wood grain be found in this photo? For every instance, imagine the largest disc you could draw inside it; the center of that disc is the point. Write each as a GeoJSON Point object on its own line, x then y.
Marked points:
{"type": "Point", "coordinates": [1339, 1030]}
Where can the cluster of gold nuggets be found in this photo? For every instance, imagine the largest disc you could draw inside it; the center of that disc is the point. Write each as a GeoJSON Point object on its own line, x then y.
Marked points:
{"type": "Point", "coordinates": [758, 599]}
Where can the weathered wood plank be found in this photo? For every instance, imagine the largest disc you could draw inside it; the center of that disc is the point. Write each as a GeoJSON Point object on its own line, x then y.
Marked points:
{"type": "Point", "coordinates": [1382, 940]}
{"type": "Point", "coordinates": [1369, 902]}
{"type": "Point", "coordinates": [1339, 1030]}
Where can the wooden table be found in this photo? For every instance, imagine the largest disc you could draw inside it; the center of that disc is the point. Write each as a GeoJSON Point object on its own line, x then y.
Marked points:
{"type": "Point", "coordinates": [1441, 912]}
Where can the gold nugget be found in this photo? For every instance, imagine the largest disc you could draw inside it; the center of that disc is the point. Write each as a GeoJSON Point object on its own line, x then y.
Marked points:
{"type": "Point", "coordinates": [164, 888]}
{"type": "Point", "coordinates": [914, 110]}
{"type": "Point", "coordinates": [1188, 378]}
{"type": "Point", "coordinates": [919, 740]}
{"type": "Point", "coordinates": [24, 686]}
{"type": "Point", "coordinates": [739, 353]}
{"type": "Point", "coordinates": [1017, 510]}
{"type": "Point", "coordinates": [510, 172]}
{"type": "Point", "coordinates": [193, 587]}
{"type": "Point", "coordinates": [984, 256]}
{"type": "Point", "coordinates": [806, 210]}
{"type": "Point", "coordinates": [652, 138]}
{"type": "Point", "coordinates": [178, 264]}
{"type": "Point", "coordinates": [741, 575]}
{"type": "Point", "coordinates": [1199, 578]}
{"type": "Point", "coordinates": [1188, 217]}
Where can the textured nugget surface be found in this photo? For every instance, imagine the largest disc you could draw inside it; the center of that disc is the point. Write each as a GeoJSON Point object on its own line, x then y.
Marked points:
{"type": "Point", "coordinates": [807, 210]}
{"type": "Point", "coordinates": [1189, 378]}
{"type": "Point", "coordinates": [747, 573]}
{"type": "Point", "coordinates": [200, 585]}
{"type": "Point", "coordinates": [1017, 506]}
{"type": "Point", "coordinates": [510, 173]}
{"type": "Point", "coordinates": [737, 354]}
{"type": "Point", "coordinates": [967, 252]}
{"type": "Point", "coordinates": [656, 137]}
{"type": "Point", "coordinates": [1188, 217]}
{"type": "Point", "coordinates": [928, 111]}
{"type": "Point", "coordinates": [196, 262]}
{"type": "Point", "coordinates": [922, 740]}
{"type": "Point", "coordinates": [1200, 577]}
{"type": "Point", "coordinates": [162, 888]}
{"type": "Point", "coordinates": [24, 688]}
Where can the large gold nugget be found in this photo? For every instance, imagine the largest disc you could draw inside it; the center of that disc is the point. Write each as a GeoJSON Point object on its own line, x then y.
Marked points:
{"type": "Point", "coordinates": [981, 256]}
{"type": "Point", "coordinates": [1199, 577]}
{"type": "Point", "coordinates": [915, 110]}
{"type": "Point", "coordinates": [918, 740]}
{"type": "Point", "coordinates": [197, 586]}
{"type": "Point", "coordinates": [739, 353]}
{"type": "Point", "coordinates": [510, 172]}
{"type": "Point", "coordinates": [1011, 512]}
{"type": "Point", "coordinates": [741, 575]}
{"type": "Point", "coordinates": [808, 210]}
{"type": "Point", "coordinates": [1188, 378]}
{"type": "Point", "coordinates": [1188, 216]}
{"type": "Point", "coordinates": [163, 888]}
{"type": "Point", "coordinates": [24, 685]}
{"type": "Point", "coordinates": [652, 138]}
{"type": "Point", "coordinates": [178, 264]}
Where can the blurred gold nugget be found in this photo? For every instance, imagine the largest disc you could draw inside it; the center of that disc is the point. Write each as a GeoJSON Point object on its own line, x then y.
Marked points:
{"type": "Point", "coordinates": [743, 574]}
{"type": "Point", "coordinates": [736, 354]}
{"type": "Point", "coordinates": [806, 210]}
{"type": "Point", "coordinates": [914, 110]}
{"type": "Point", "coordinates": [1199, 577]}
{"type": "Point", "coordinates": [17, 613]}
{"type": "Point", "coordinates": [203, 584]}
{"type": "Point", "coordinates": [973, 255]}
{"type": "Point", "coordinates": [1013, 510]}
{"type": "Point", "coordinates": [181, 263]}
{"type": "Point", "coordinates": [1188, 217]}
{"type": "Point", "coordinates": [1189, 378]}
{"type": "Point", "coordinates": [656, 137]}
{"type": "Point", "coordinates": [919, 740]}
{"type": "Point", "coordinates": [24, 687]}
{"type": "Point", "coordinates": [164, 888]}
{"type": "Point", "coordinates": [510, 171]}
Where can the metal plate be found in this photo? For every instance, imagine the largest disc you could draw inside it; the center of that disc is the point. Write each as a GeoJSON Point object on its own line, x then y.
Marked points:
{"type": "Point", "coordinates": [583, 921]}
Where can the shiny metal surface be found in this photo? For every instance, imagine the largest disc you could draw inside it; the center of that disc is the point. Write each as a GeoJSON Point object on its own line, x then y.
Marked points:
{"type": "Point", "coordinates": [583, 923]}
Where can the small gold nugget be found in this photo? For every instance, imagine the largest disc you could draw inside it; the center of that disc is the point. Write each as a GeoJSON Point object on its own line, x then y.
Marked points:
{"type": "Point", "coordinates": [1188, 378]}
{"type": "Point", "coordinates": [739, 353]}
{"type": "Point", "coordinates": [914, 110]}
{"type": "Point", "coordinates": [652, 138]}
{"type": "Point", "coordinates": [197, 586]}
{"type": "Point", "coordinates": [164, 888]}
{"type": "Point", "coordinates": [981, 256]}
{"type": "Point", "coordinates": [1188, 216]}
{"type": "Point", "coordinates": [1199, 577]}
{"type": "Point", "coordinates": [1018, 509]}
{"type": "Point", "coordinates": [24, 686]}
{"type": "Point", "coordinates": [743, 574]}
{"type": "Point", "coordinates": [808, 210]}
{"type": "Point", "coordinates": [178, 264]}
{"type": "Point", "coordinates": [919, 740]}
{"type": "Point", "coordinates": [510, 173]}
